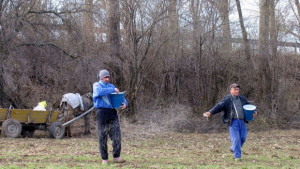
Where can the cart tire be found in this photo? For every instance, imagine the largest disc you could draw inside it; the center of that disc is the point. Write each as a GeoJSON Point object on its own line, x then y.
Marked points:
{"type": "Point", "coordinates": [57, 130]}
{"type": "Point", "coordinates": [12, 128]}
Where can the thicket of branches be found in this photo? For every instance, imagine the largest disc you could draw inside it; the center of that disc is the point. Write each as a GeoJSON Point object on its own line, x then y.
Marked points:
{"type": "Point", "coordinates": [162, 52]}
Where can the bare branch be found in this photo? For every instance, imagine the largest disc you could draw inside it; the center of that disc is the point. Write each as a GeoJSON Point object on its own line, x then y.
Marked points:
{"type": "Point", "coordinates": [51, 45]}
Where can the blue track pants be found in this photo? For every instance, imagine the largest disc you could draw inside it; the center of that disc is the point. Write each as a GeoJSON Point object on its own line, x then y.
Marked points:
{"type": "Point", "coordinates": [238, 134]}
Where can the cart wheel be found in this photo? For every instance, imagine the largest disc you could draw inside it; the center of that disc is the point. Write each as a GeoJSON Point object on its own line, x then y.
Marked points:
{"type": "Point", "coordinates": [57, 130]}
{"type": "Point", "coordinates": [12, 128]}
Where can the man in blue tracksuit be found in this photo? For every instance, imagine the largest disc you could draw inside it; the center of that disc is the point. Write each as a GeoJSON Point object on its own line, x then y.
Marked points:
{"type": "Point", "coordinates": [232, 106]}
{"type": "Point", "coordinates": [107, 117]}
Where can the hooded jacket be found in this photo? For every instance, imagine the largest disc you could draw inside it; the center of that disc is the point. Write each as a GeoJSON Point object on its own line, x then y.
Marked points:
{"type": "Point", "coordinates": [101, 94]}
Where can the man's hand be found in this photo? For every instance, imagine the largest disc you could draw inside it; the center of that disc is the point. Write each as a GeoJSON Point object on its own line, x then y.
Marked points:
{"type": "Point", "coordinates": [117, 90]}
{"type": "Point", "coordinates": [123, 106]}
{"type": "Point", "coordinates": [206, 114]}
{"type": "Point", "coordinates": [255, 114]}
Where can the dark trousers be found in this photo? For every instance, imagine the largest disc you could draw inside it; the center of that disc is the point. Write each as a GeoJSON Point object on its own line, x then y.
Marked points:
{"type": "Point", "coordinates": [108, 125]}
{"type": "Point", "coordinates": [238, 135]}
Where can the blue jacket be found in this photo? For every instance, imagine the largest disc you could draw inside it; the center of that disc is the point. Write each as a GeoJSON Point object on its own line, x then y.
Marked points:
{"type": "Point", "coordinates": [101, 94]}
{"type": "Point", "coordinates": [226, 106]}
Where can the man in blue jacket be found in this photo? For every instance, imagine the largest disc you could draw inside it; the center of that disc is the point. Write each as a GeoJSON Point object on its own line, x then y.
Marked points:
{"type": "Point", "coordinates": [232, 106]}
{"type": "Point", "coordinates": [107, 117]}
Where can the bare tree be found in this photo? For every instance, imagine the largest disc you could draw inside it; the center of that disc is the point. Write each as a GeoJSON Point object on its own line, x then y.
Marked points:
{"type": "Point", "coordinates": [223, 8]}
{"type": "Point", "coordinates": [114, 44]}
{"type": "Point", "coordinates": [298, 11]}
{"type": "Point", "coordinates": [195, 7]}
{"type": "Point", "coordinates": [224, 12]}
{"type": "Point", "coordinates": [143, 45]}
{"type": "Point", "coordinates": [292, 28]}
{"type": "Point", "coordinates": [12, 16]}
{"type": "Point", "coordinates": [113, 19]}
{"type": "Point", "coordinates": [244, 32]}
{"type": "Point", "coordinates": [264, 55]}
{"type": "Point", "coordinates": [89, 26]}
{"type": "Point", "coordinates": [31, 34]}
{"type": "Point", "coordinates": [273, 30]}
{"type": "Point", "coordinates": [1, 52]}
{"type": "Point", "coordinates": [166, 51]}
{"type": "Point", "coordinates": [171, 72]}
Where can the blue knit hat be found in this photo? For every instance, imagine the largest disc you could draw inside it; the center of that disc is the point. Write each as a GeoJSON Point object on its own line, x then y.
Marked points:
{"type": "Point", "coordinates": [103, 73]}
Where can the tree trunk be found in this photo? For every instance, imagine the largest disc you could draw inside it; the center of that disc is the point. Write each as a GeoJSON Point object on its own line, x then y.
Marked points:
{"type": "Point", "coordinates": [131, 45]}
{"type": "Point", "coordinates": [273, 53]}
{"type": "Point", "coordinates": [244, 32]}
{"type": "Point", "coordinates": [1, 78]}
{"type": "Point", "coordinates": [88, 26]}
{"type": "Point", "coordinates": [223, 8]}
{"type": "Point", "coordinates": [1, 55]}
{"type": "Point", "coordinates": [172, 16]}
{"type": "Point", "coordinates": [172, 50]}
{"type": "Point", "coordinates": [114, 45]}
{"type": "Point", "coordinates": [273, 31]}
{"type": "Point", "coordinates": [197, 48]}
{"type": "Point", "coordinates": [195, 21]}
{"type": "Point", "coordinates": [298, 9]}
{"type": "Point", "coordinates": [224, 12]}
{"type": "Point", "coordinates": [264, 80]}
{"type": "Point", "coordinates": [113, 32]}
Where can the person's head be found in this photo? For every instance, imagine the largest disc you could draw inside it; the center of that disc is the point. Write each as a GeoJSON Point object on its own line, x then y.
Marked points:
{"type": "Point", "coordinates": [234, 89]}
{"type": "Point", "coordinates": [104, 76]}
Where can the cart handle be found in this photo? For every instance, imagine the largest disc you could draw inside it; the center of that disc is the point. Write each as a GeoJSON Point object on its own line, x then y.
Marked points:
{"type": "Point", "coordinates": [78, 117]}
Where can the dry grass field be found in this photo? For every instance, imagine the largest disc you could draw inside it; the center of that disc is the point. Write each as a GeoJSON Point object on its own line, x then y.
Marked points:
{"type": "Point", "coordinates": [144, 148]}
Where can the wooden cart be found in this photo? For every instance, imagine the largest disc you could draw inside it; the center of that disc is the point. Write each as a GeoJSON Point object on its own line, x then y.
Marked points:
{"type": "Point", "coordinates": [16, 122]}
